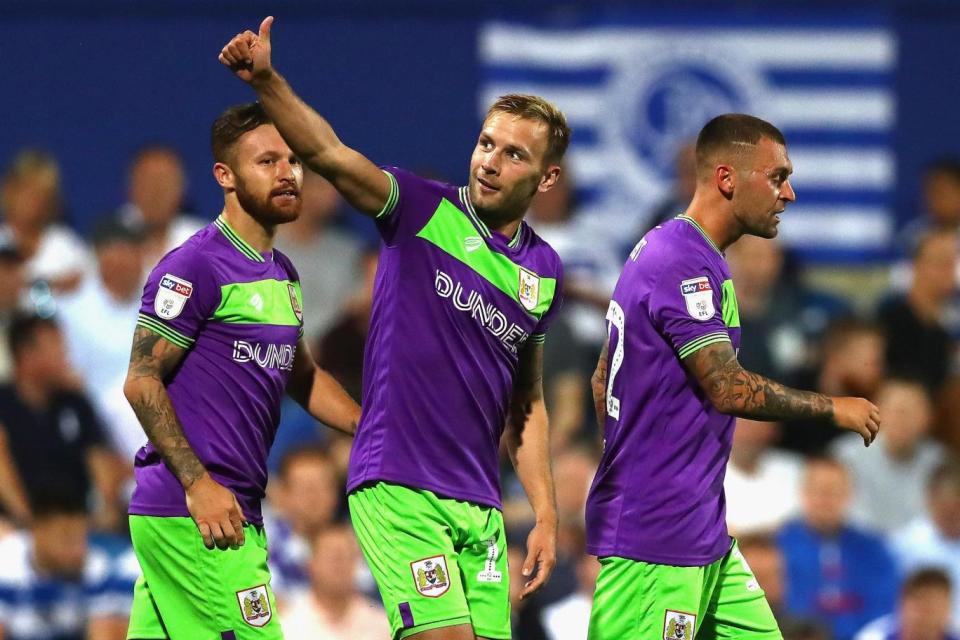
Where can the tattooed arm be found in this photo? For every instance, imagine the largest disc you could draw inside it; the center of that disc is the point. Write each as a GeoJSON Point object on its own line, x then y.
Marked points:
{"type": "Point", "coordinates": [213, 507]}
{"type": "Point", "coordinates": [528, 443]}
{"type": "Point", "coordinates": [599, 385]}
{"type": "Point", "coordinates": [734, 390]}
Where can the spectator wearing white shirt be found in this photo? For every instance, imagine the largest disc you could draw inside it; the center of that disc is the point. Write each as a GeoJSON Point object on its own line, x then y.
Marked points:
{"type": "Point", "coordinates": [889, 478]}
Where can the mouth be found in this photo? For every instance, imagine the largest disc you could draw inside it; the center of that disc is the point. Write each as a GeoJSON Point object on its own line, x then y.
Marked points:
{"type": "Point", "coordinates": [287, 194]}
{"type": "Point", "coordinates": [486, 187]}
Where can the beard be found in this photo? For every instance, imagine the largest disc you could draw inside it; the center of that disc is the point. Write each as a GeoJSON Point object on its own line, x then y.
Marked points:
{"type": "Point", "coordinates": [263, 209]}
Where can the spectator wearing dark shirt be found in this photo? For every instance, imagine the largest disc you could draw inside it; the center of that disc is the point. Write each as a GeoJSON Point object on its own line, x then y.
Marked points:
{"type": "Point", "coordinates": [52, 436]}
{"type": "Point", "coordinates": [918, 344]}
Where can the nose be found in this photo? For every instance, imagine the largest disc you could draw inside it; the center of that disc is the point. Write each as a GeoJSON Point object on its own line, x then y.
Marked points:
{"type": "Point", "coordinates": [285, 170]}
{"type": "Point", "coordinates": [787, 193]}
{"type": "Point", "coordinates": [490, 163]}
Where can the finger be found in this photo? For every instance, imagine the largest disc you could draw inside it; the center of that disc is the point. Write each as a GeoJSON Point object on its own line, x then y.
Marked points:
{"type": "Point", "coordinates": [867, 436]}
{"type": "Point", "coordinates": [238, 528]}
{"type": "Point", "coordinates": [533, 585]}
{"type": "Point", "coordinates": [229, 534]}
{"type": "Point", "coordinates": [243, 47]}
{"type": "Point", "coordinates": [236, 517]}
{"type": "Point", "coordinates": [234, 49]}
{"type": "Point", "coordinates": [218, 538]}
{"type": "Point", "coordinates": [206, 534]}
{"type": "Point", "coordinates": [530, 561]}
{"type": "Point", "coordinates": [265, 27]}
{"type": "Point", "coordinates": [226, 57]}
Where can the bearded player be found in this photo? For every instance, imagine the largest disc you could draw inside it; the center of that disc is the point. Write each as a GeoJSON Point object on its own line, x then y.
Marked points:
{"type": "Point", "coordinates": [667, 389]}
{"type": "Point", "coordinates": [218, 342]}
{"type": "Point", "coordinates": [463, 296]}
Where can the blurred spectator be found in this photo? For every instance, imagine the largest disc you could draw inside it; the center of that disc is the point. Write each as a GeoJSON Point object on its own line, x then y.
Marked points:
{"type": "Point", "coordinates": [524, 618]}
{"type": "Point", "coordinates": [30, 200]}
{"type": "Point", "coordinates": [54, 585]}
{"type": "Point", "coordinates": [762, 484]}
{"type": "Point", "coordinates": [923, 612]}
{"type": "Point", "coordinates": [12, 286]}
{"type": "Point", "coordinates": [941, 201]}
{"type": "Point", "coordinates": [836, 572]}
{"type": "Point", "coordinates": [326, 257]}
{"type": "Point", "coordinates": [933, 540]}
{"type": "Point", "coordinates": [779, 317]}
{"type": "Point", "coordinates": [890, 477]}
{"type": "Point", "coordinates": [765, 559]}
{"type": "Point", "coordinates": [53, 434]}
{"type": "Point", "coordinates": [341, 350]}
{"type": "Point", "coordinates": [332, 608]}
{"type": "Point", "coordinates": [98, 321]}
{"type": "Point", "coordinates": [918, 343]}
{"type": "Point", "coordinates": [850, 364]}
{"type": "Point", "coordinates": [569, 617]}
{"type": "Point", "coordinates": [305, 496]}
{"type": "Point", "coordinates": [155, 190]}
{"type": "Point", "coordinates": [681, 193]}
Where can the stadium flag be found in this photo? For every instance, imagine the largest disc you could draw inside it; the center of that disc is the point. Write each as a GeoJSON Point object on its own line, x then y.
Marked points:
{"type": "Point", "coordinates": [636, 87]}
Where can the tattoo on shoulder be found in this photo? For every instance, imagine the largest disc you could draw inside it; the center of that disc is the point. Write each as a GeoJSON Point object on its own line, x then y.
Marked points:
{"type": "Point", "coordinates": [735, 390]}
{"type": "Point", "coordinates": [152, 355]}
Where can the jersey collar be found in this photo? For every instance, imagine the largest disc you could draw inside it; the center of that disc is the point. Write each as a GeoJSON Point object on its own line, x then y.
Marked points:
{"type": "Point", "coordinates": [238, 243]}
{"type": "Point", "coordinates": [703, 233]}
{"type": "Point", "coordinates": [465, 199]}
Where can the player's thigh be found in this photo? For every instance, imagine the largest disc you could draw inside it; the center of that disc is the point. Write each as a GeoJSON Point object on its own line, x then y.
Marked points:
{"type": "Point", "coordinates": [144, 623]}
{"type": "Point", "coordinates": [483, 565]}
{"type": "Point", "coordinates": [202, 593]}
{"type": "Point", "coordinates": [738, 607]}
{"type": "Point", "coordinates": [410, 553]}
{"type": "Point", "coordinates": [641, 600]}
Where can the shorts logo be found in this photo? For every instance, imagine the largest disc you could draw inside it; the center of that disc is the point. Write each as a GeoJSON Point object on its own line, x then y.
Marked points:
{"type": "Point", "coordinates": [529, 292]}
{"type": "Point", "coordinates": [698, 296]}
{"type": "Point", "coordinates": [255, 606]}
{"type": "Point", "coordinates": [430, 576]}
{"type": "Point", "coordinates": [172, 293]}
{"type": "Point", "coordinates": [679, 625]}
{"type": "Point", "coordinates": [490, 573]}
{"type": "Point", "coordinates": [294, 303]}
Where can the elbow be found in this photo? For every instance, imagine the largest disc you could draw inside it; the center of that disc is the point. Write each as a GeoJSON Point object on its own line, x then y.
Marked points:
{"type": "Point", "coordinates": [723, 403]}
{"type": "Point", "coordinates": [133, 389]}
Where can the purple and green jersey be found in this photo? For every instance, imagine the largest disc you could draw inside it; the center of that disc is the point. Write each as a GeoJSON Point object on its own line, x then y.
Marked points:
{"type": "Point", "coordinates": [454, 304]}
{"type": "Point", "coordinates": [238, 314]}
{"type": "Point", "coordinates": [658, 493]}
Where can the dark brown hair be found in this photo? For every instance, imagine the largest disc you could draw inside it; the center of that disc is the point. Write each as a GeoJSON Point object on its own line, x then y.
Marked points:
{"type": "Point", "coordinates": [728, 133]}
{"type": "Point", "coordinates": [233, 123]}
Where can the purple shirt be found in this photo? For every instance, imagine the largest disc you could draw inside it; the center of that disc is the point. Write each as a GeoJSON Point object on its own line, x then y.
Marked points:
{"type": "Point", "coordinates": [453, 305]}
{"type": "Point", "coordinates": [658, 494]}
{"type": "Point", "coordinates": [238, 314]}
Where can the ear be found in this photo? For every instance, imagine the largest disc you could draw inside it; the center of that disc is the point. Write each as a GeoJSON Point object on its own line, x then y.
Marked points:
{"type": "Point", "coordinates": [224, 176]}
{"type": "Point", "coordinates": [726, 179]}
{"type": "Point", "coordinates": [549, 178]}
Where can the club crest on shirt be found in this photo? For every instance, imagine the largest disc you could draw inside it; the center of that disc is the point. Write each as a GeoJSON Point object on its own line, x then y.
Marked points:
{"type": "Point", "coordinates": [529, 292]}
{"type": "Point", "coordinates": [172, 294]}
{"type": "Point", "coordinates": [430, 576]}
{"type": "Point", "coordinates": [679, 625]}
{"type": "Point", "coordinates": [294, 303]}
{"type": "Point", "coordinates": [255, 605]}
{"type": "Point", "coordinates": [698, 296]}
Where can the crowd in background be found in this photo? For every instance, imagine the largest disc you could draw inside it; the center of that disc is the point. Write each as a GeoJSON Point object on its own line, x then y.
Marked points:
{"type": "Point", "coordinates": [847, 542]}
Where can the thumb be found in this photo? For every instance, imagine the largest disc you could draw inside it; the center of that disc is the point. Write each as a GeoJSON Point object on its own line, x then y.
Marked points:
{"type": "Point", "coordinates": [265, 29]}
{"type": "Point", "coordinates": [529, 563]}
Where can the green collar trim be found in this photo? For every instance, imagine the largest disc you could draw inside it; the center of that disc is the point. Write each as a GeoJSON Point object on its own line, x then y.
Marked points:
{"type": "Point", "coordinates": [696, 226]}
{"type": "Point", "coordinates": [239, 243]}
{"type": "Point", "coordinates": [465, 199]}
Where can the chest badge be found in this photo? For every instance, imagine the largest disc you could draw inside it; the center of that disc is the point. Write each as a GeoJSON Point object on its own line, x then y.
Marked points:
{"type": "Point", "coordinates": [294, 303]}
{"type": "Point", "coordinates": [529, 292]}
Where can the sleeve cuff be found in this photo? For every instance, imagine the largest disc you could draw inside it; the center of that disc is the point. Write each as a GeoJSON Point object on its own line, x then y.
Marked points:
{"type": "Point", "coordinates": [392, 198]}
{"type": "Point", "coordinates": [164, 331]}
{"type": "Point", "coordinates": [702, 341]}
{"type": "Point", "coordinates": [538, 338]}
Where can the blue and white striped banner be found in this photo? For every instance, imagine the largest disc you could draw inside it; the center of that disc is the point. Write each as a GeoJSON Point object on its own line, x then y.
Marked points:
{"type": "Point", "coordinates": [634, 92]}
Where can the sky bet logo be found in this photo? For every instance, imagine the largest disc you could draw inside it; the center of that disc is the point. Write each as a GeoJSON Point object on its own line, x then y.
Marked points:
{"type": "Point", "coordinates": [180, 287]}
{"type": "Point", "coordinates": [268, 356]}
{"type": "Point", "coordinates": [694, 287]}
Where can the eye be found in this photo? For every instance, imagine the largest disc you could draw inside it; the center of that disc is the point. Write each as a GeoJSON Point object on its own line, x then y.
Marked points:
{"type": "Point", "coordinates": [515, 155]}
{"type": "Point", "coordinates": [266, 161]}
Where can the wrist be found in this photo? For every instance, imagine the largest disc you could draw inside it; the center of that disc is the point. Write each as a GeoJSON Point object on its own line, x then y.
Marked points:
{"type": "Point", "coordinates": [193, 480]}
{"type": "Point", "coordinates": [262, 79]}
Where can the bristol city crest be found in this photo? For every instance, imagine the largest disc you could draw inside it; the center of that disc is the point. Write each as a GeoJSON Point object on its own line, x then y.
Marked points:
{"type": "Point", "coordinates": [255, 606]}
{"type": "Point", "coordinates": [431, 576]}
{"type": "Point", "coordinates": [529, 292]}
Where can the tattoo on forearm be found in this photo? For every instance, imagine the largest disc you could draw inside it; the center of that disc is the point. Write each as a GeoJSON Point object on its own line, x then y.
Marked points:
{"type": "Point", "coordinates": [151, 359]}
{"type": "Point", "coordinates": [599, 385]}
{"type": "Point", "coordinates": [737, 391]}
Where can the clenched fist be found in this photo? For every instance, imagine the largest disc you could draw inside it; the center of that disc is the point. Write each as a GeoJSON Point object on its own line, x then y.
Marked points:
{"type": "Point", "coordinates": [857, 414]}
{"type": "Point", "coordinates": [248, 53]}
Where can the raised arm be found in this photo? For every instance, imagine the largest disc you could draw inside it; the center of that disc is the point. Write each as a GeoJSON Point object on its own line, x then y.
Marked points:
{"type": "Point", "coordinates": [528, 442]}
{"type": "Point", "coordinates": [212, 506]}
{"type": "Point", "coordinates": [734, 390]}
{"type": "Point", "coordinates": [320, 394]}
{"type": "Point", "coordinates": [311, 137]}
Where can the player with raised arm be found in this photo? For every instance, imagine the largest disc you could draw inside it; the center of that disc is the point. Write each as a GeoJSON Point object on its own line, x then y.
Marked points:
{"type": "Point", "coordinates": [218, 342]}
{"type": "Point", "coordinates": [463, 295]}
{"type": "Point", "coordinates": [667, 388]}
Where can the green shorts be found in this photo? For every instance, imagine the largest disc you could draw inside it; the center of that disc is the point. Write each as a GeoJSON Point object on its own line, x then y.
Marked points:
{"type": "Point", "coordinates": [438, 562]}
{"type": "Point", "coordinates": [642, 600]}
{"type": "Point", "coordinates": [189, 592]}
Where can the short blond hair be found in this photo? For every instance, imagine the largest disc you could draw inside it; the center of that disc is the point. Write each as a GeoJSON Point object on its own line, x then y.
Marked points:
{"type": "Point", "coordinates": [531, 107]}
